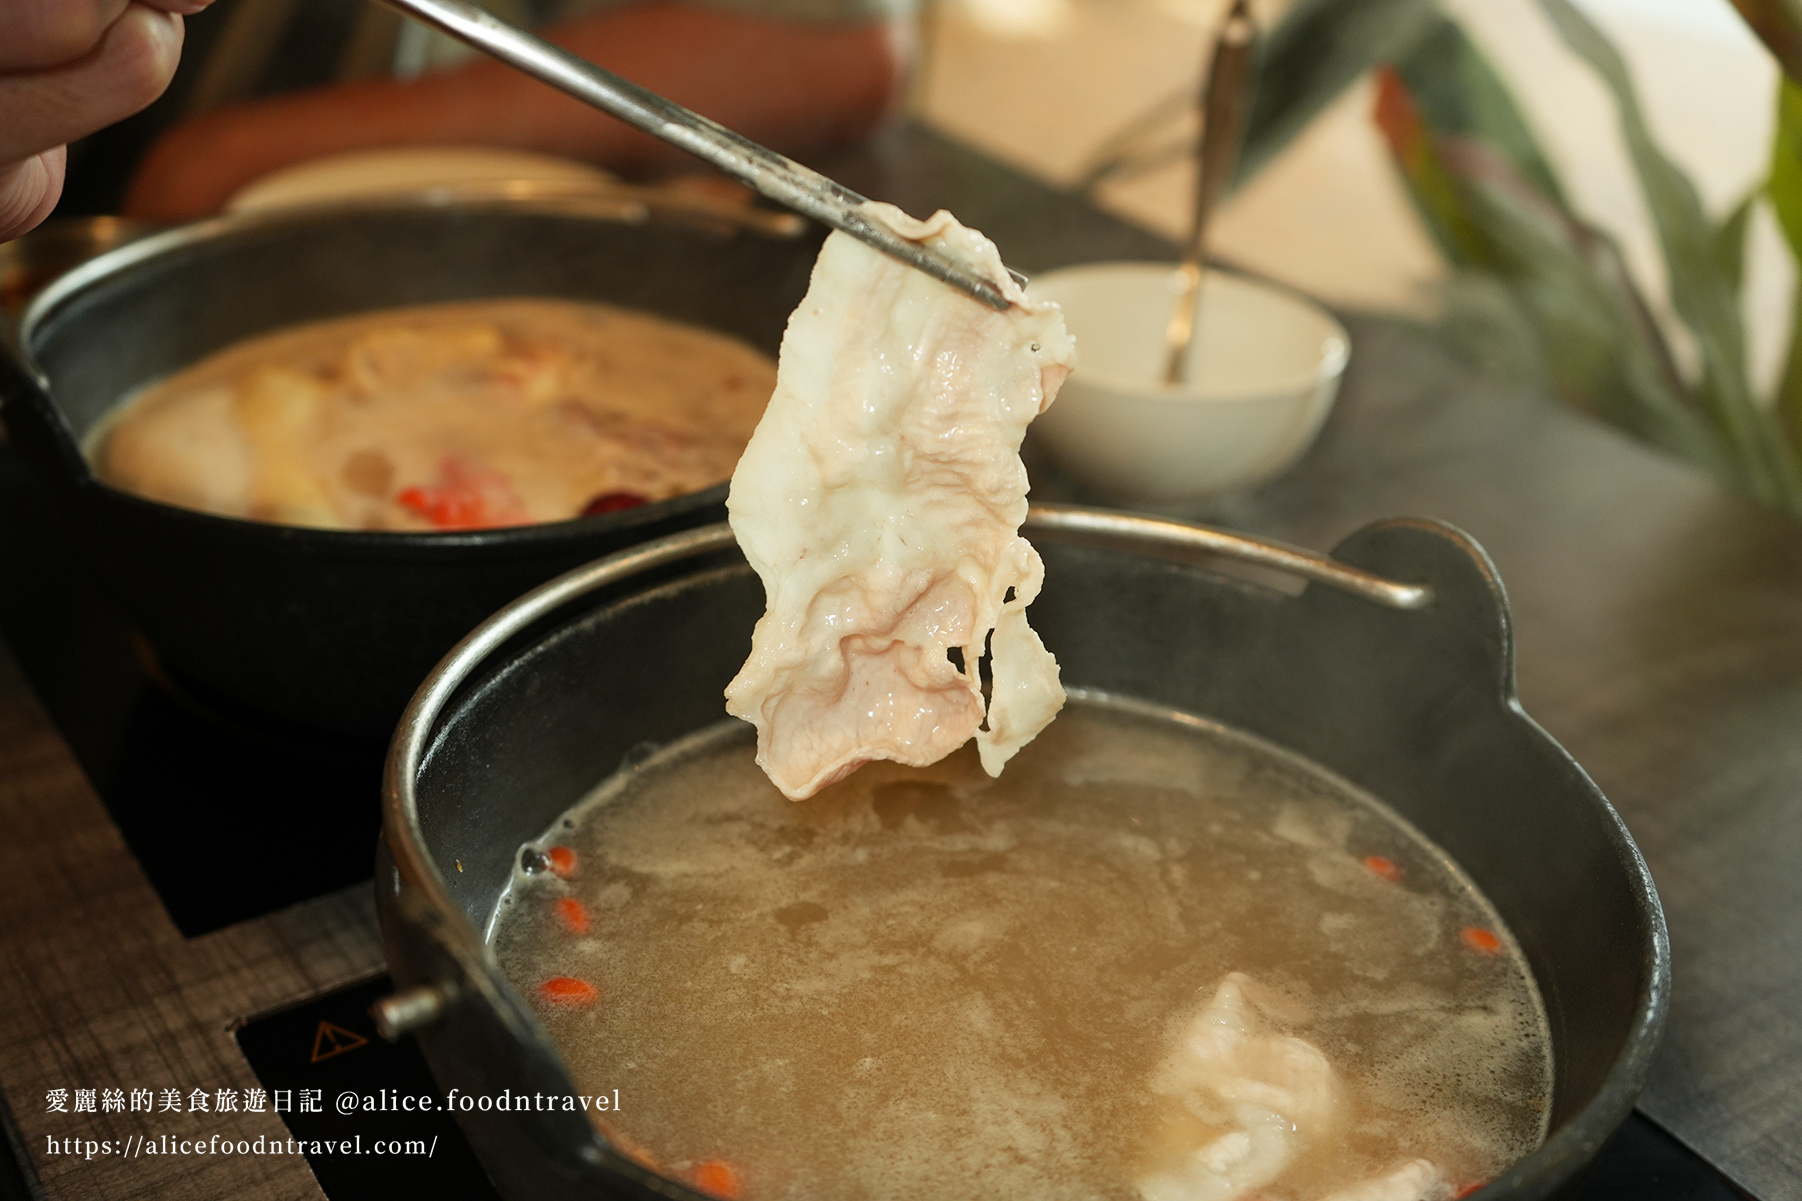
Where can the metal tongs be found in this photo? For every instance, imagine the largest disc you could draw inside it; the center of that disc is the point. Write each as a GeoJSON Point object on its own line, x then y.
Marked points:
{"type": "Point", "coordinates": [781, 179]}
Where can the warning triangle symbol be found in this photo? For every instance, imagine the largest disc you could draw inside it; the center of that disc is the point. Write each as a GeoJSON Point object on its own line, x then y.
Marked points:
{"type": "Point", "coordinates": [332, 1040]}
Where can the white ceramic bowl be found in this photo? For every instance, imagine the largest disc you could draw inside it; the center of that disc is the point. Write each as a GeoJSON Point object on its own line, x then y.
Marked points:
{"type": "Point", "coordinates": [1262, 374]}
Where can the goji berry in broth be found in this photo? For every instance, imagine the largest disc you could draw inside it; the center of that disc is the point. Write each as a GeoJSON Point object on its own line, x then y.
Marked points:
{"type": "Point", "coordinates": [567, 990]}
{"type": "Point", "coordinates": [1479, 939]}
{"type": "Point", "coordinates": [573, 914]}
{"type": "Point", "coordinates": [718, 1177]}
{"type": "Point", "coordinates": [1387, 868]}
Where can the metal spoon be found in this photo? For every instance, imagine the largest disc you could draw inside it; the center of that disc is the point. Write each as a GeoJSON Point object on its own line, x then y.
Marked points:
{"type": "Point", "coordinates": [1225, 102]}
{"type": "Point", "coordinates": [781, 179]}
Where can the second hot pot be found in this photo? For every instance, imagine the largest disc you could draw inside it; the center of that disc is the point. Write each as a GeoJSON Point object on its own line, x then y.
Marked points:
{"type": "Point", "coordinates": [1393, 669]}
{"type": "Point", "coordinates": [327, 628]}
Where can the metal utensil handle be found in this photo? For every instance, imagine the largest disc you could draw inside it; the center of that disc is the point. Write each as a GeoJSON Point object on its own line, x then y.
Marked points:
{"type": "Point", "coordinates": [1225, 105]}
{"type": "Point", "coordinates": [781, 179]}
{"type": "Point", "coordinates": [1175, 535]}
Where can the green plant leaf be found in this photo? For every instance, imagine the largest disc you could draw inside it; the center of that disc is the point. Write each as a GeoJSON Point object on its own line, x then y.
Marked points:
{"type": "Point", "coordinates": [1461, 96]}
{"type": "Point", "coordinates": [1313, 54]}
{"type": "Point", "coordinates": [1789, 387]}
{"type": "Point", "coordinates": [1701, 294]}
{"type": "Point", "coordinates": [1532, 273]}
{"type": "Point", "coordinates": [1784, 188]}
{"type": "Point", "coordinates": [1730, 243]}
{"type": "Point", "coordinates": [1778, 24]}
{"type": "Point", "coordinates": [1600, 347]}
{"type": "Point", "coordinates": [1430, 183]}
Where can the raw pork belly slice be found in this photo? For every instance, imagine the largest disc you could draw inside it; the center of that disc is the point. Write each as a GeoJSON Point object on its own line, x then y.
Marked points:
{"type": "Point", "coordinates": [880, 500]}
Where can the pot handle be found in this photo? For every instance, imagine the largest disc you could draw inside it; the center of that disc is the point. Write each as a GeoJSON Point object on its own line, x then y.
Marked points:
{"type": "Point", "coordinates": [1167, 535]}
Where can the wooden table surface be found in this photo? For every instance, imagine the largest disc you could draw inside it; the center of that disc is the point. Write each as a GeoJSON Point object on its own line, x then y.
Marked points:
{"type": "Point", "coordinates": [1659, 628]}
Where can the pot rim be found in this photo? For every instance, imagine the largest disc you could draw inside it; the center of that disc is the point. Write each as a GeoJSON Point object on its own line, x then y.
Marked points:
{"type": "Point", "coordinates": [624, 204]}
{"type": "Point", "coordinates": [1557, 1160]}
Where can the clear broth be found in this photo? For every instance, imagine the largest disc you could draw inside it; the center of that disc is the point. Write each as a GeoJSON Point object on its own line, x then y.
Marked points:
{"type": "Point", "coordinates": [924, 982]}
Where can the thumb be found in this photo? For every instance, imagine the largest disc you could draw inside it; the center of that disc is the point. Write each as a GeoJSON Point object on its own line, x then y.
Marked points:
{"type": "Point", "coordinates": [29, 189]}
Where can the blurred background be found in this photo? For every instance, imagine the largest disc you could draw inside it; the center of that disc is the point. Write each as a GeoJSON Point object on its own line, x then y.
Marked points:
{"type": "Point", "coordinates": [1047, 84]}
{"type": "Point", "coordinates": [1533, 202]}
{"type": "Point", "coordinates": [1493, 195]}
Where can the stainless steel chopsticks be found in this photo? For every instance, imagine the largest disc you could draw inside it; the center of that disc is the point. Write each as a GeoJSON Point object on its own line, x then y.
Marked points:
{"type": "Point", "coordinates": [781, 179]}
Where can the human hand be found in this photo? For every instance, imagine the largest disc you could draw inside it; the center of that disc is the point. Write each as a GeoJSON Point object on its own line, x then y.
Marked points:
{"type": "Point", "coordinates": [68, 68]}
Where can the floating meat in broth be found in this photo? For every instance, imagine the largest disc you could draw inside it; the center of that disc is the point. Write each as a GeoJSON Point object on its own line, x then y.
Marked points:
{"type": "Point", "coordinates": [880, 500]}
{"type": "Point", "coordinates": [1263, 1099]}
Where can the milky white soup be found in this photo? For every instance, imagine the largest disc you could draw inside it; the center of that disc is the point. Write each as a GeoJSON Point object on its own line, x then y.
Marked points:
{"type": "Point", "coordinates": [1156, 959]}
{"type": "Point", "coordinates": [450, 416]}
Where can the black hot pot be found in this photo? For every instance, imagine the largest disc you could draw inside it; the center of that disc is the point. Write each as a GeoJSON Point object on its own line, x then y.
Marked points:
{"type": "Point", "coordinates": [329, 628]}
{"type": "Point", "coordinates": [1392, 668]}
